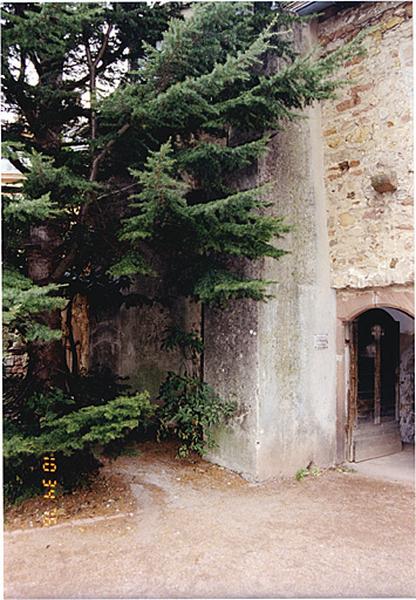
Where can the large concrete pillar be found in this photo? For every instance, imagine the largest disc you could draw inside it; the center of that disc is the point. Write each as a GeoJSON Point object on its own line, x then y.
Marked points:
{"type": "Point", "coordinates": [277, 359]}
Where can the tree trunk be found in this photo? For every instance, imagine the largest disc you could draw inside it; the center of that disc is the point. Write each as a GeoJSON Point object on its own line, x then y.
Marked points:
{"type": "Point", "coordinates": [76, 328]}
{"type": "Point", "coordinates": [47, 366]}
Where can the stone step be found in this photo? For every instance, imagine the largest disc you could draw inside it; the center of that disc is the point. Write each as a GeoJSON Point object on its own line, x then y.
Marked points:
{"type": "Point", "coordinates": [370, 429]}
{"type": "Point", "coordinates": [384, 421]}
{"type": "Point", "coordinates": [374, 446]}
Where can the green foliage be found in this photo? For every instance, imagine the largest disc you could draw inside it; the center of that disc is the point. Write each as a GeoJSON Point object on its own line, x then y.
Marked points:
{"type": "Point", "coordinates": [81, 429]}
{"type": "Point", "coordinates": [219, 287]}
{"type": "Point", "coordinates": [212, 78]}
{"type": "Point", "coordinates": [40, 408]}
{"type": "Point", "coordinates": [198, 236]}
{"type": "Point", "coordinates": [344, 469]}
{"type": "Point", "coordinates": [23, 301]}
{"type": "Point", "coordinates": [51, 139]}
{"type": "Point", "coordinates": [54, 141]}
{"type": "Point", "coordinates": [209, 163]}
{"type": "Point", "coordinates": [301, 474]}
{"type": "Point", "coordinates": [44, 176]}
{"type": "Point", "coordinates": [183, 120]}
{"type": "Point", "coordinates": [175, 337]}
{"type": "Point", "coordinates": [22, 475]}
{"type": "Point", "coordinates": [195, 46]}
{"type": "Point", "coordinates": [309, 471]}
{"type": "Point", "coordinates": [130, 264]}
{"type": "Point", "coordinates": [161, 201]}
{"type": "Point", "coordinates": [20, 208]}
{"type": "Point", "coordinates": [190, 409]}
{"type": "Point", "coordinates": [74, 427]}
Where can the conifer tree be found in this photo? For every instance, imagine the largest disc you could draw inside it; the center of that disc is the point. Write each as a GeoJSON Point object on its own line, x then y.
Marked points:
{"type": "Point", "coordinates": [58, 61]}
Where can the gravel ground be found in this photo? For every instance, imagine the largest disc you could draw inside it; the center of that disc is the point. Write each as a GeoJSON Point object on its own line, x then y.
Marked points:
{"type": "Point", "coordinates": [103, 495]}
{"type": "Point", "coordinates": [200, 531]}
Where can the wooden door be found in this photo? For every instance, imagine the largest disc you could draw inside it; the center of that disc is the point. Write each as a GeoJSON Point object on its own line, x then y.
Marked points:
{"type": "Point", "coordinates": [352, 388]}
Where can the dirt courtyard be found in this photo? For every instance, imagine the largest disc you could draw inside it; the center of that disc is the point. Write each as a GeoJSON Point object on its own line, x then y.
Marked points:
{"type": "Point", "coordinates": [197, 530]}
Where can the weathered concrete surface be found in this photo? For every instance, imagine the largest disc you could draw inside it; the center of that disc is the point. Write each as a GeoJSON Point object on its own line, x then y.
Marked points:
{"type": "Point", "coordinates": [297, 406]}
{"type": "Point", "coordinates": [129, 340]}
{"type": "Point", "coordinates": [199, 532]}
{"type": "Point", "coordinates": [263, 354]}
{"type": "Point", "coordinates": [231, 366]}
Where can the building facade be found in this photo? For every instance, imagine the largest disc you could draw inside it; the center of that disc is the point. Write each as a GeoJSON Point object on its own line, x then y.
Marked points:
{"type": "Point", "coordinates": [324, 371]}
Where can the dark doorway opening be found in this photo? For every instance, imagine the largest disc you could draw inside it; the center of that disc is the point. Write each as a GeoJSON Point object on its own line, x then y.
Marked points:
{"type": "Point", "coordinates": [381, 384]}
{"type": "Point", "coordinates": [378, 366]}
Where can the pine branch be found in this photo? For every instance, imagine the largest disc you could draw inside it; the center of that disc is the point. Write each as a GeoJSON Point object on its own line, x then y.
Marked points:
{"type": "Point", "coordinates": [104, 44]}
{"type": "Point", "coordinates": [97, 160]}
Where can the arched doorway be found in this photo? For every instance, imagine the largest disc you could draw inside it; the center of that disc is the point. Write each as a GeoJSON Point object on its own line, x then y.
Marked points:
{"type": "Point", "coordinates": [381, 383]}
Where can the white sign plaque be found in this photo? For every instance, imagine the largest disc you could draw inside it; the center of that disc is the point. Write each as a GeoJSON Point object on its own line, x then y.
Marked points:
{"type": "Point", "coordinates": [320, 341]}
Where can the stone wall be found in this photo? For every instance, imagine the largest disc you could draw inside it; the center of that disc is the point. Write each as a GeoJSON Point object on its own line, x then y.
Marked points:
{"type": "Point", "coordinates": [407, 373]}
{"type": "Point", "coordinates": [407, 388]}
{"type": "Point", "coordinates": [15, 362]}
{"type": "Point", "coordinates": [367, 135]}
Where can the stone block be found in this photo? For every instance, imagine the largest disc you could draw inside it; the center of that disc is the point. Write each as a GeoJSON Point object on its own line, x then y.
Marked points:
{"type": "Point", "coordinates": [384, 182]}
{"type": "Point", "coordinates": [393, 22]}
{"type": "Point", "coordinates": [346, 219]}
{"type": "Point", "coordinates": [348, 104]}
{"type": "Point", "coordinates": [334, 142]}
{"type": "Point", "coordinates": [328, 132]}
{"type": "Point", "coordinates": [359, 135]}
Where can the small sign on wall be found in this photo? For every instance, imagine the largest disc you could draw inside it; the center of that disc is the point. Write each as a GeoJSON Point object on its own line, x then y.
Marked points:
{"type": "Point", "coordinates": [320, 341]}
